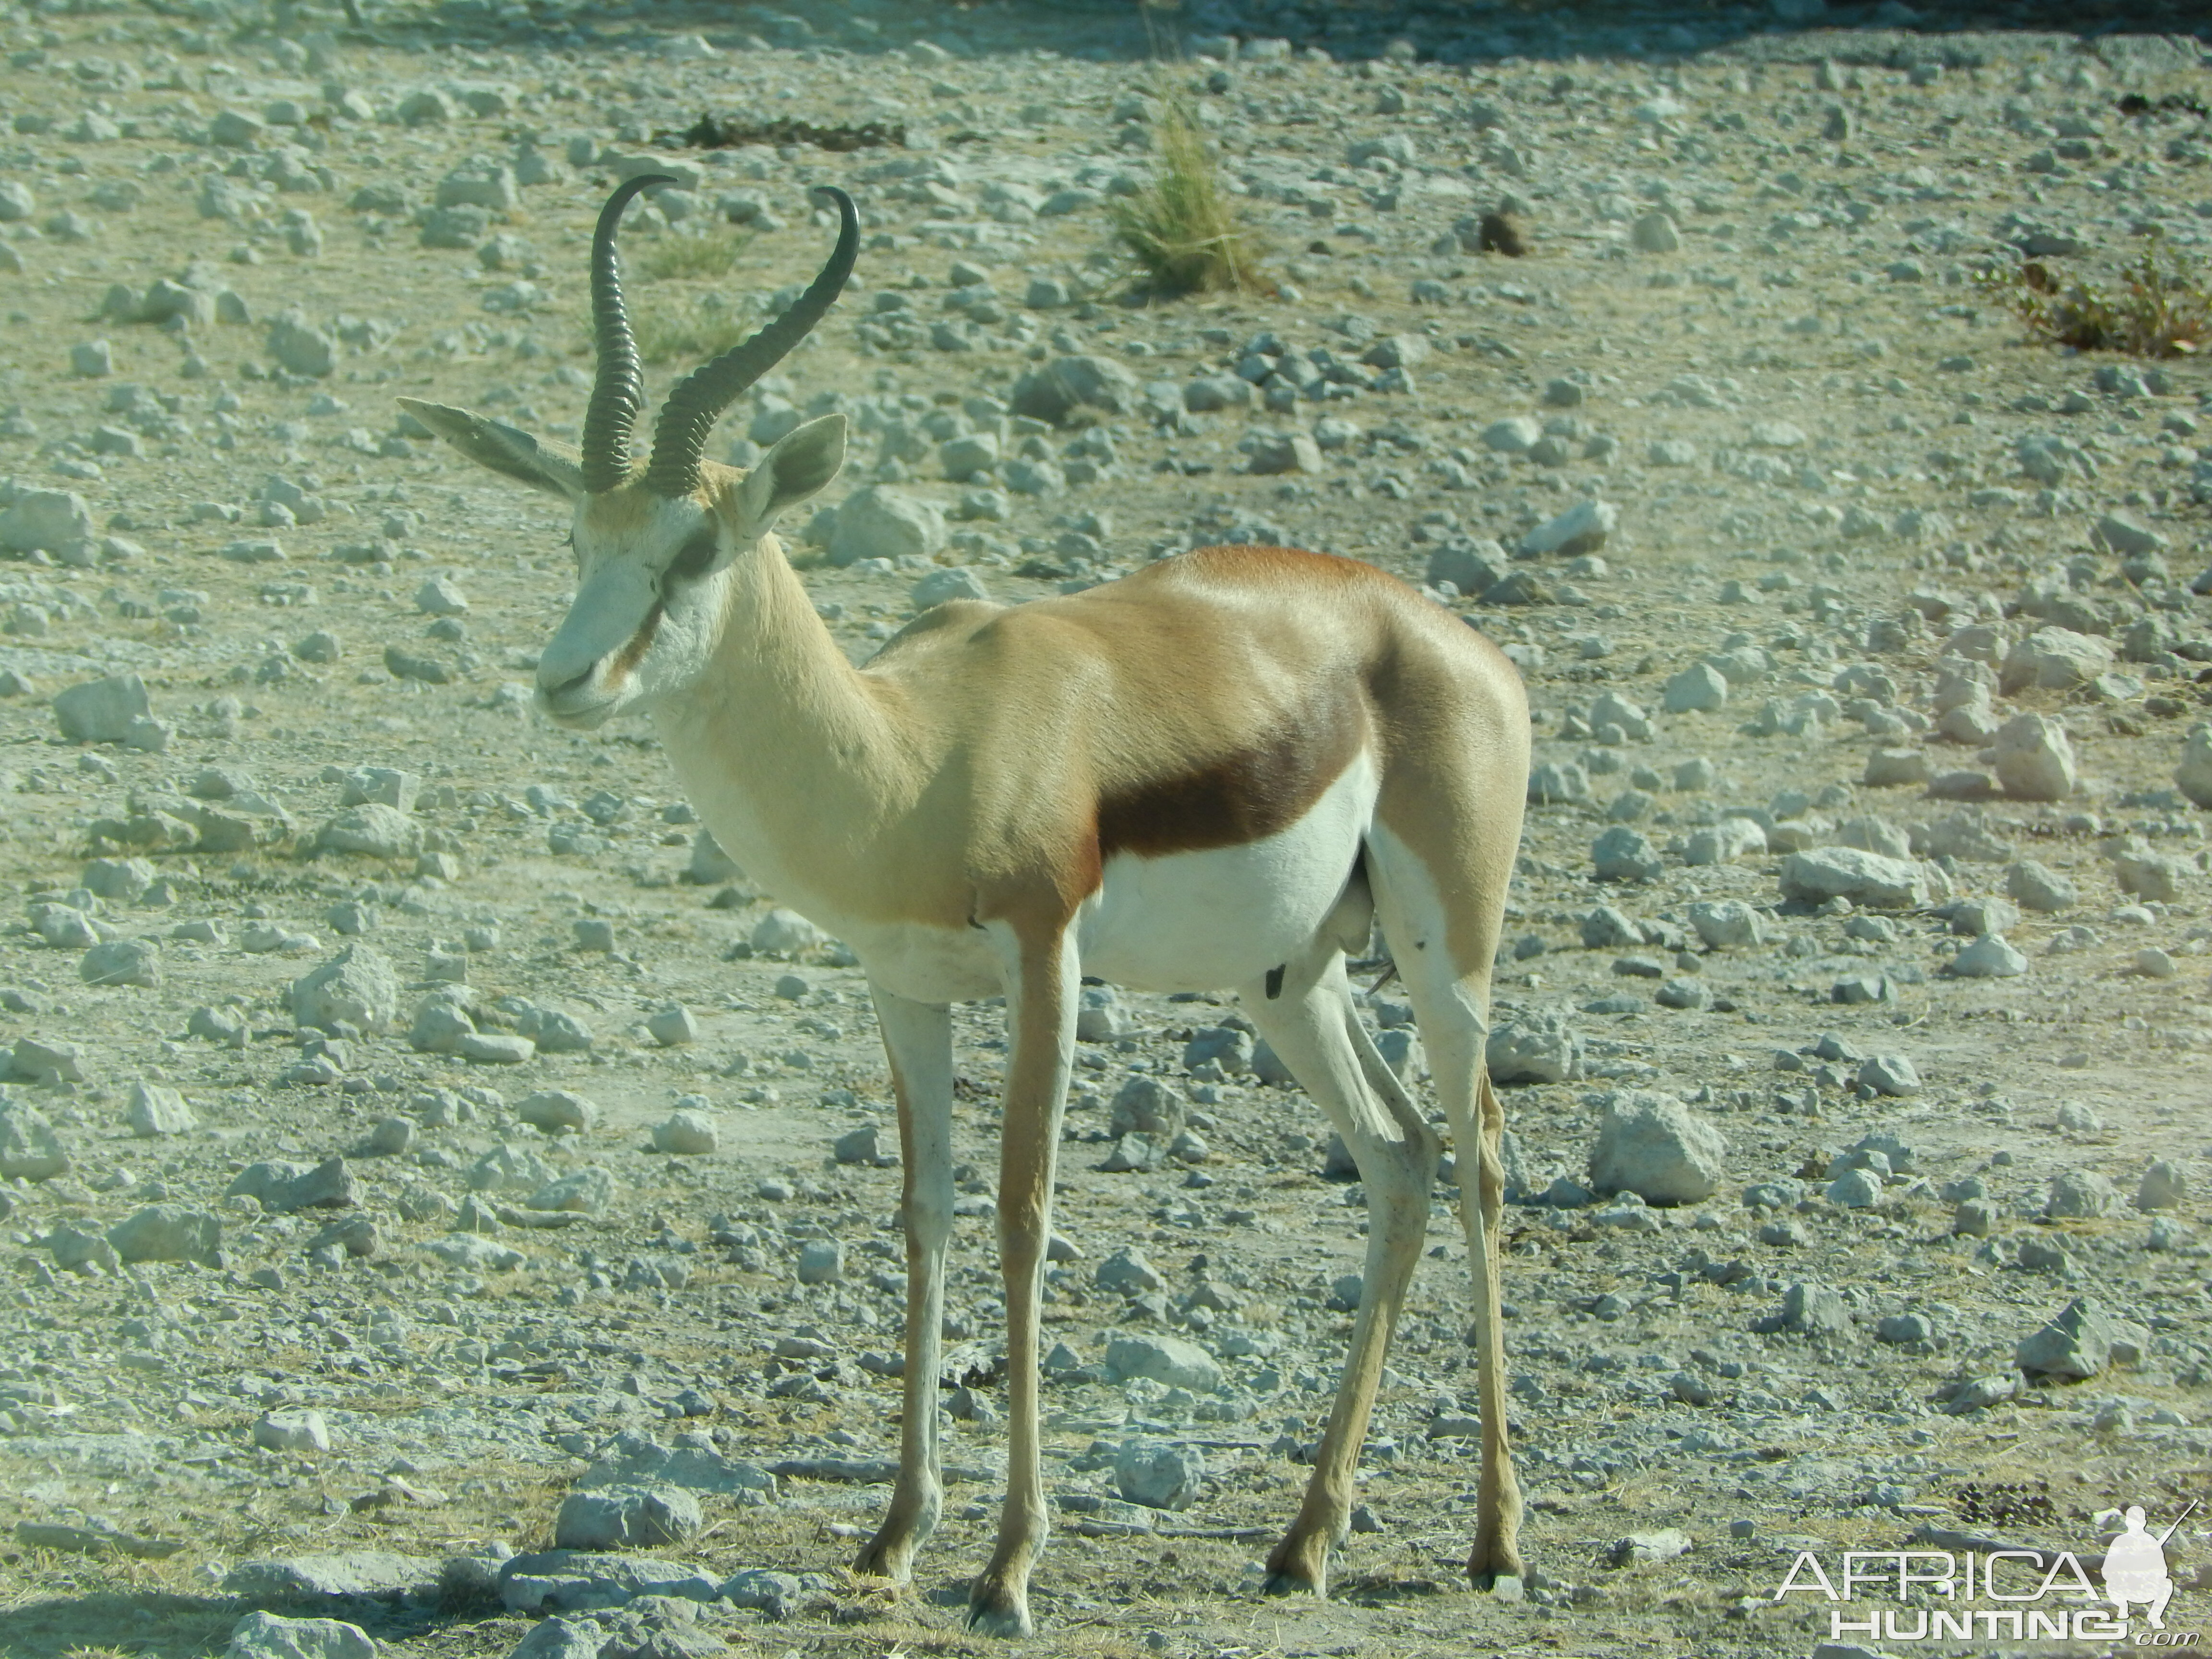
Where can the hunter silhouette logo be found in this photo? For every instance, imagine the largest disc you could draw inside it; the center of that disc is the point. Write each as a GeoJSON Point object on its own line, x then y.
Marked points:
{"type": "Point", "coordinates": [2135, 1565]}
{"type": "Point", "coordinates": [1989, 1590]}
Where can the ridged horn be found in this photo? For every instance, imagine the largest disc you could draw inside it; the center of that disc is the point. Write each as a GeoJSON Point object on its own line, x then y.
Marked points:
{"type": "Point", "coordinates": [618, 388]}
{"type": "Point", "coordinates": [679, 436]}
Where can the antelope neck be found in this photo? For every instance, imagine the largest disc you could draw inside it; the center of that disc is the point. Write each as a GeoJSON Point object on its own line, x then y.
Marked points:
{"type": "Point", "coordinates": [797, 761]}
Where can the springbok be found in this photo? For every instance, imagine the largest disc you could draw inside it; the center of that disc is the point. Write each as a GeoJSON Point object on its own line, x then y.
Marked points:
{"type": "Point", "coordinates": [1218, 773]}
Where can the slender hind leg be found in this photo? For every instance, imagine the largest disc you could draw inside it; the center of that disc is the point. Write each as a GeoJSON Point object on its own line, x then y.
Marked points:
{"type": "Point", "coordinates": [918, 1037]}
{"type": "Point", "coordinates": [1044, 986]}
{"type": "Point", "coordinates": [1311, 1025]}
{"type": "Point", "coordinates": [1451, 1000]}
{"type": "Point", "coordinates": [1495, 1558]}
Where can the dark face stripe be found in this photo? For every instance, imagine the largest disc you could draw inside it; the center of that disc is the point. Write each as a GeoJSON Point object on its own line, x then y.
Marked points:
{"type": "Point", "coordinates": [632, 652]}
{"type": "Point", "coordinates": [1241, 797]}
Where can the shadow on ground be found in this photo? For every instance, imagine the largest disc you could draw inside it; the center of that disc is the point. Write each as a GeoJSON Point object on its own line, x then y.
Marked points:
{"type": "Point", "coordinates": [173, 1626]}
{"type": "Point", "coordinates": [1438, 30]}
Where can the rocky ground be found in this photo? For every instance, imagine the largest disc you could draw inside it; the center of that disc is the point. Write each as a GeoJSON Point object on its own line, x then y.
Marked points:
{"type": "Point", "coordinates": [423, 1152]}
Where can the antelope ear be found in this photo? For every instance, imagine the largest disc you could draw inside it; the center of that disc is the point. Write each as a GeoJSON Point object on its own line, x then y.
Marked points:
{"type": "Point", "coordinates": [544, 465]}
{"type": "Point", "coordinates": [802, 464]}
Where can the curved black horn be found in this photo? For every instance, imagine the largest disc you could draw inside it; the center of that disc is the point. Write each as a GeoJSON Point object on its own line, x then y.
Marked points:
{"type": "Point", "coordinates": [679, 436]}
{"type": "Point", "coordinates": [618, 386]}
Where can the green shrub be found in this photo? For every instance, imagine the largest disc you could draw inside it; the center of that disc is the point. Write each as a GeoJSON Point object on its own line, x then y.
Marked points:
{"type": "Point", "coordinates": [2161, 308]}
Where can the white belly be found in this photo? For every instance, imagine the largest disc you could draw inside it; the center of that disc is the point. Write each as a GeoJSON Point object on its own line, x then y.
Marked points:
{"type": "Point", "coordinates": [923, 963]}
{"type": "Point", "coordinates": [1187, 921]}
{"type": "Point", "coordinates": [1207, 921]}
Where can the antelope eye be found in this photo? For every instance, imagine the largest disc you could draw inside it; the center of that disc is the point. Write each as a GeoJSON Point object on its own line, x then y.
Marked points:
{"type": "Point", "coordinates": [693, 558]}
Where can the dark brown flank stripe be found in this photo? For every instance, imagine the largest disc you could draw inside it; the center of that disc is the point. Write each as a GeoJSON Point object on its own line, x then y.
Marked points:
{"type": "Point", "coordinates": [1241, 797]}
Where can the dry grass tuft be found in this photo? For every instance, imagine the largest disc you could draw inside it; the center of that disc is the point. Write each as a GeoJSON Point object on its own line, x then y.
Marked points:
{"type": "Point", "coordinates": [1183, 227]}
{"type": "Point", "coordinates": [862, 1600]}
{"type": "Point", "coordinates": [711, 255]}
{"type": "Point", "coordinates": [691, 334]}
{"type": "Point", "coordinates": [2163, 308]}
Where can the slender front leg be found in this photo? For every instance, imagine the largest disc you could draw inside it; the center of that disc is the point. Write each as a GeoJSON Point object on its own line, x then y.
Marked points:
{"type": "Point", "coordinates": [918, 1037]}
{"type": "Point", "coordinates": [1042, 989]}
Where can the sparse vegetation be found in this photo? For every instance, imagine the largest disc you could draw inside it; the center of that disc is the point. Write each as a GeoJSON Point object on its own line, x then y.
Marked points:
{"type": "Point", "coordinates": [690, 333]}
{"type": "Point", "coordinates": [2161, 308]}
{"type": "Point", "coordinates": [467, 1590]}
{"type": "Point", "coordinates": [710, 255]}
{"type": "Point", "coordinates": [1183, 227]}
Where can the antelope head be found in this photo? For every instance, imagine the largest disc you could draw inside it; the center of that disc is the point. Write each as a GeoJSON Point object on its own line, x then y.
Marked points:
{"type": "Point", "coordinates": [655, 547]}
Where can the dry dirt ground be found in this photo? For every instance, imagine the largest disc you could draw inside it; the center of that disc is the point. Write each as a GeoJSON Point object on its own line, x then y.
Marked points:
{"type": "Point", "coordinates": [1829, 450]}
